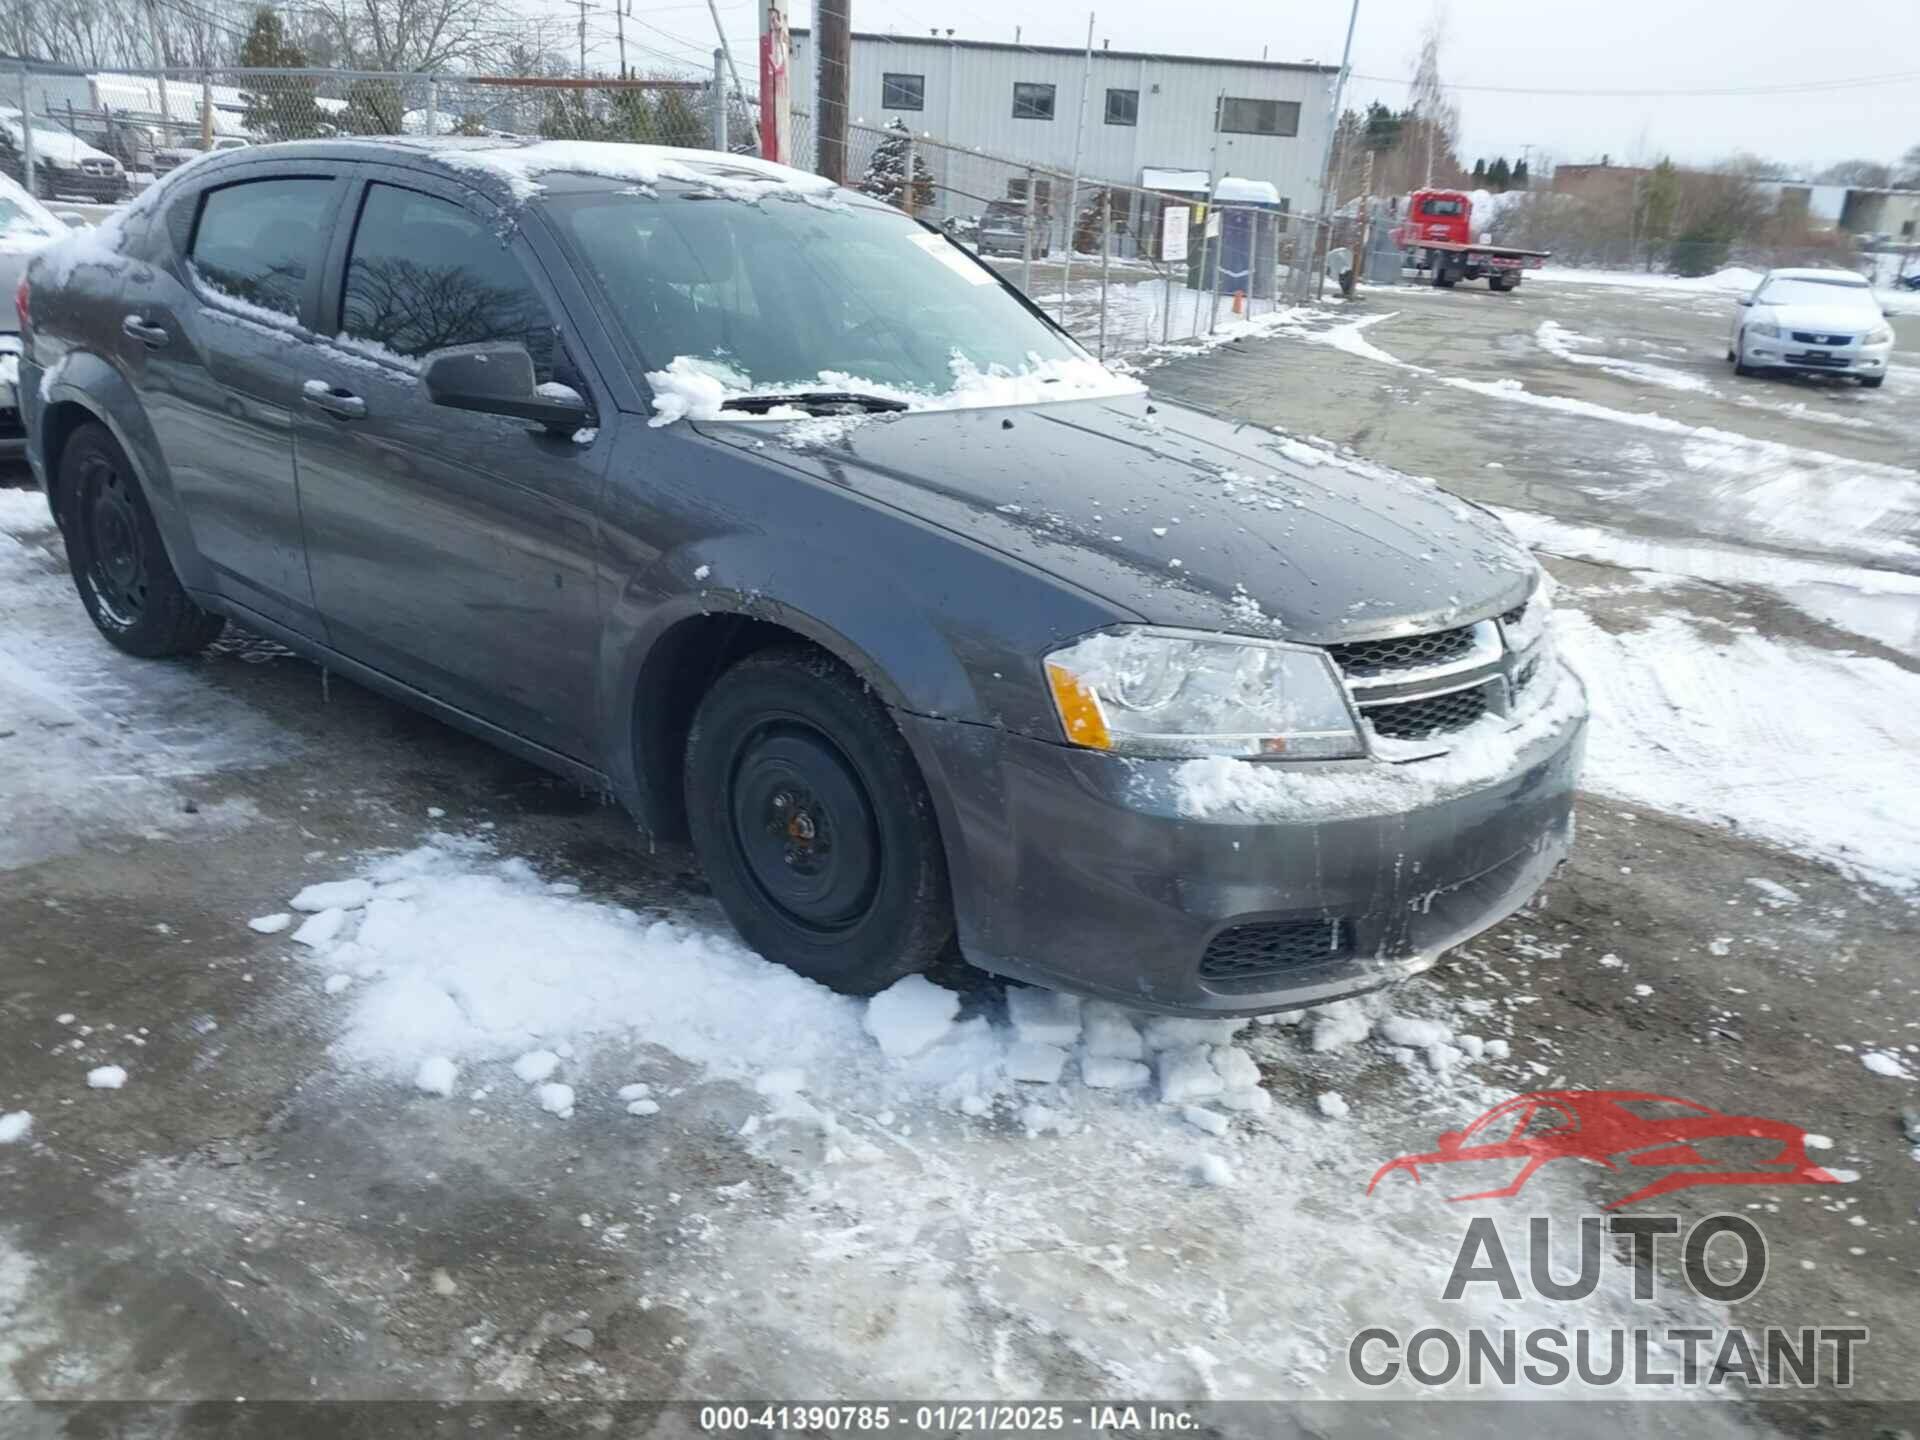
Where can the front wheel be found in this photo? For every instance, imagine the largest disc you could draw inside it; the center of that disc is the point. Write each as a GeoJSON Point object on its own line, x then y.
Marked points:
{"type": "Point", "coordinates": [1739, 357]}
{"type": "Point", "coordinates": [813, 823]}
{"type": "Point", "coordinates": [120, 567]}
{"type": "Point", "coordinates": [1873, 382]}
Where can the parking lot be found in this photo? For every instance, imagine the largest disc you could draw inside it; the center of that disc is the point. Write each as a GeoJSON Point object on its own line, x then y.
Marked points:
{"type": "Point", "coordinates": [271, 1207]}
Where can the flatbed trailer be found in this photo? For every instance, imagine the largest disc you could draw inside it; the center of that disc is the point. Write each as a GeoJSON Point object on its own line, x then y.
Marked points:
{"type": "Point", "coordinates": [1436, 238]}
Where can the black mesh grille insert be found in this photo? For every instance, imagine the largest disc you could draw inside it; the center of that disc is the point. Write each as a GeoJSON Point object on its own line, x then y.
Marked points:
{"type": "Point", "coordinates": [1434, 715]}
{"type": "Point", "coordinates": [1515, 615]}
{"type": "Point", "coordinates": [1527, 672]}
{"type": "Point", "coordinates": [1362, 658]}
{"type": "Point", "coordinates": [1247, 952]}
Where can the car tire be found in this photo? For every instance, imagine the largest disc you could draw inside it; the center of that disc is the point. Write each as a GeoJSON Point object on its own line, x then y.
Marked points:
{"type": "Point", "coordinates": [1873, 382]}
{"type": "Point", "coordinates": [1740, 366]}
{"type": "Point", "coordinates": [119, 564]}
{"type": "Point", "coordinates": [813, 822]}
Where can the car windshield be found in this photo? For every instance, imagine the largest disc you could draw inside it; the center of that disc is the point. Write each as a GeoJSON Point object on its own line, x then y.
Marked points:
{"type": "Point", "coordinates": [789, 293]}
{"type": "Point", "coordinates": [1818, 292]}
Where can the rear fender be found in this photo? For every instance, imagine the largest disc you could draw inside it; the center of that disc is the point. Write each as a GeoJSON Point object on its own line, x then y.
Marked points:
{"type": "Point", "coordinates": [83, 378]}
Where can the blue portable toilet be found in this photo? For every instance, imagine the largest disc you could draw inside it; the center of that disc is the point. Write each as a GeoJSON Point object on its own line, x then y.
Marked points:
{"type": "Point", "coordinates": [1248, 241]}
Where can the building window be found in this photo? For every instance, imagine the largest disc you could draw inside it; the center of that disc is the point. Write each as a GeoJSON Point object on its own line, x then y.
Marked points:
{"type": "Point", "coordinates": [1032, 102]}
{"type": "Point", "coordinates": [903, 92]}
{"type": "Point", "coordinates": [1123, 107]}
{"type": "Point", "coordinates": [1241, 116]}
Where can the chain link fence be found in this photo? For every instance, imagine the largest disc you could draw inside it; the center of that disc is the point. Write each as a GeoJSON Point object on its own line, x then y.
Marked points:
{"type": "Point", "coordinates": [1124, 268]}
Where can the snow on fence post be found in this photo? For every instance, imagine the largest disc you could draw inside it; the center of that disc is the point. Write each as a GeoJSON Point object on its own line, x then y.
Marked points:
{"type": "Point", "coordinates": [433, 105]}
{"type": "Point", "coordinates": [1106, 248]}
{"type": "Point", "coordinates": [1026, 248]}
{"type": "Point", "coordinates": [26, 131]}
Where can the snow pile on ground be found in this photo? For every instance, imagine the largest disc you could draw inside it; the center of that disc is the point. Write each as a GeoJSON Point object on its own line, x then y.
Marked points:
{"type": "Point", "coordinates": [1781, 492]}
{"type": "Point", "coordinates": [1733, 280]}
{"type": "Point", "coordinates": [79, 767]}
{"type": "Point", "coordinates": [691, 388]}
{"type": "Point", "coordinates": [1881, 605]}
{"type": "Point", "coordinates": [1795, 744]}
{"type": "Point", "coordinates": [1557, 340]}
{"type": "Point", "coordinates": [461, 962]}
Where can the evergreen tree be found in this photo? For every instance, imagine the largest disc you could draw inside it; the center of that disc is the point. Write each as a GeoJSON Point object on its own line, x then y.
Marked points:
{"type": "Point", "coordinates": [1383, 127]}
{"type": "Point", "coordinates": [283, 108]}
{"type": "Point", "coordinates": [1479, 174]}
{"type": "Point", "coordinates": [1499, 174]}
{"type": "Point", "coordinates": [887, 170]}
{"type": "Point", "coordinates": [1520, 179]}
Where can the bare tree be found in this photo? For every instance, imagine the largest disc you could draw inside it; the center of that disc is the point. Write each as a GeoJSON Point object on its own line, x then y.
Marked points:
{"type": "Point", "coordinates": [420, 35]}
{"type": "Point", "coordinates": [1871, 173]}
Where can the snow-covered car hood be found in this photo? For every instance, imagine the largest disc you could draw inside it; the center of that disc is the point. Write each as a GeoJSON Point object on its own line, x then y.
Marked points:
{"type": "Point", "coordinates": [1180, 518]}
{"type": "Point", "coordinates": [1835, 319]}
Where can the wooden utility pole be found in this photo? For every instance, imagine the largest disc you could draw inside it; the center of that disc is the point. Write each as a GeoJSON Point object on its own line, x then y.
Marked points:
{"type": "Point", "coordinates": [833, 33]}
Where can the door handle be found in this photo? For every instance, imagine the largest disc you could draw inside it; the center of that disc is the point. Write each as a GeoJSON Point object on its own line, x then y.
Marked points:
{"type": "Point", "coordinates": [151, 336]}
{"type": "Point", "coordinates": [334, 400]}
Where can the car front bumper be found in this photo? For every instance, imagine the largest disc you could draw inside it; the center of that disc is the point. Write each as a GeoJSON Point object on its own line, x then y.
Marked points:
{"type": "Point", "coordinates": [1790, 354]}
{"type": "Point", "coordinates": [1093, 873]}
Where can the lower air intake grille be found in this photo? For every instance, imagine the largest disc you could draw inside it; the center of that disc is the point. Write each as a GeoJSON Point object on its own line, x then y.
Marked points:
{"type": "Point", "coordinates": [1434, 715]}
{"type": "Point", "coordinates": [1250, 952]}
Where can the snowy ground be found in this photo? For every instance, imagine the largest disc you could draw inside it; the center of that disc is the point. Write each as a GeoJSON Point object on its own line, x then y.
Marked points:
{"type": "Point", "coordinates": [438, 1082]}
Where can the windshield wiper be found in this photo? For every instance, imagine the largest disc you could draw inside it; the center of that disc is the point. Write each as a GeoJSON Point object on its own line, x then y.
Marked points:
{"type": "Point", "coordinates": [816, 402]}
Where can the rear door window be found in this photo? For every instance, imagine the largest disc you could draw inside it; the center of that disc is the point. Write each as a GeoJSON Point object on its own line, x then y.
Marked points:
{"type": "Point", "coordinates": [257, 241]}
{"type": "Point", "coordinates": [424, 274]}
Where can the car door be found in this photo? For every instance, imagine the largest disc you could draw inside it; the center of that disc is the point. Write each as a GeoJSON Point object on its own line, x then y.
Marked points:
{"type": "Point", "coordinates": [209, 342]}
{"type": "Point", "coordinates": [452, 550]}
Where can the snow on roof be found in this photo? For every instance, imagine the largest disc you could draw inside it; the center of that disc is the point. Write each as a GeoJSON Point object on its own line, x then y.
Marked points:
{"type": "Point", "coordinates": [49, 144]}
{"type": "Point", "coordinates": [1236, 190]}
{"type": "Point", "coordinates": [740, 177]}
{"type": "Point", "coordinates": [1824, 277]}
{"type": "Point", "coordinates": [27, 224]}
{"type": "Point", "coordinates": [1182, 180]}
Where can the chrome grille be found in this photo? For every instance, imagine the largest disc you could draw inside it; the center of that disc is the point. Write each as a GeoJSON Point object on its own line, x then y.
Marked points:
{"type": "Point", "coordinates": [1360, 659]}
{"type": "Point", "coordinates": [1808, 337]}
{"type": "Point", "coordinates": [1249, 952]}
{"type": "Point", "coordinates": [1430, 715]}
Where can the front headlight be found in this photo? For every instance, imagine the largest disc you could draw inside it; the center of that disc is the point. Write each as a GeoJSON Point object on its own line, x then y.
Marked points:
{"type": "Point", "coordinates": [1880, 336]}
{"type": "Point", "coordinates": [1141, 691]}
{"type": "Point", "coordinates": [1769, 332]}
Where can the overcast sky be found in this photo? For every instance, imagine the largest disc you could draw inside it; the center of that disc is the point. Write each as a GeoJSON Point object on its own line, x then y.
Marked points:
{"type": "Point", "coordinates": [1662, 45]}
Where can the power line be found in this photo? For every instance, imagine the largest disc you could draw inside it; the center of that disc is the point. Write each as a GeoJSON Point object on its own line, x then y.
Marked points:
{"type": "Point", "coordinates": [1800, 87]}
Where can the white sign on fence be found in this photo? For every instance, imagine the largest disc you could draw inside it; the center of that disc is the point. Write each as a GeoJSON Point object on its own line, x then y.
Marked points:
{"type": "Point", "coordinates": [1173, 232]}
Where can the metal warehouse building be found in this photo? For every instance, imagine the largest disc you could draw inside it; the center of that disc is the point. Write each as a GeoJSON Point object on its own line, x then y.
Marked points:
{"type": "Point", "coordinates": [1149, 117]}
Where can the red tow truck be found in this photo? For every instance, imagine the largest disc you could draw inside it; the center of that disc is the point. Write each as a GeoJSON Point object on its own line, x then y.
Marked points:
{"type": "Point", "coordinates": [1437, 236]}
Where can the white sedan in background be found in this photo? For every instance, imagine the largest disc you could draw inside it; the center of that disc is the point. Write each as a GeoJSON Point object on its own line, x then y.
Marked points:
{"type": "Point", "coordinates": [1812, 320]}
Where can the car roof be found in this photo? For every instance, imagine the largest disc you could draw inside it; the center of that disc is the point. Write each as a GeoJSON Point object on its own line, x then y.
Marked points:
{"type": "Point", "coordinates": [512, 169]}
{"type": "Point", "coordinates": [1825, 277]}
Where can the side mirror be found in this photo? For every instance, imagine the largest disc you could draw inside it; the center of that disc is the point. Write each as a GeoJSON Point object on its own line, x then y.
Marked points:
{"type": "Point", "coordinates": [1746, 300]}
{"type": "Point", "coordinates": [497, 379]}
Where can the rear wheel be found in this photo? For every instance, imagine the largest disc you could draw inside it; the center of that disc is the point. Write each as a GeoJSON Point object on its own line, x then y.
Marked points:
{"type": "Point", "coordinates": [1443, 276]}
{"type": "Point", "coordinates": [1499, 282]}
{"type": "Point", "coordinates": [813, 822]}
{"type": "Point", "coordinates": [120, 567]}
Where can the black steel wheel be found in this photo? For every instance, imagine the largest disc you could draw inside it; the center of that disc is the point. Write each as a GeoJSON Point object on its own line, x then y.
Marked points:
{"type": "Point", "coordinates": [814, 824]}
{"type": "Point", "coordinates": [120, 566]}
